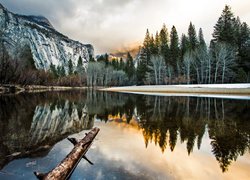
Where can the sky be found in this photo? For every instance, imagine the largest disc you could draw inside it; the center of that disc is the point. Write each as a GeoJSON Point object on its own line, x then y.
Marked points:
{"type": "Point", "coordinates": [111, 25]}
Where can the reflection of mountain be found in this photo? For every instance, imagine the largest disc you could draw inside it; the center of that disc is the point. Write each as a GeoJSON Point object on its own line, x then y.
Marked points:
{"type": "Point", "coordinates": [165, 119]}
{"type": "Point", "coordinates": [50, 121]}
{"type": "Point", "coordinates": [32, 124]}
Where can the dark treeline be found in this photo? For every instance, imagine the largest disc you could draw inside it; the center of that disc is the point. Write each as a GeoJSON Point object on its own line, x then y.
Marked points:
{"type": "Point", "coordinates": [167, 59]}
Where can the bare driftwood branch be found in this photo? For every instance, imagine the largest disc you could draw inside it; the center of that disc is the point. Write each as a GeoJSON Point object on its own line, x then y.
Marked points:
{"type": "Point", "coordinates": [69, 163]}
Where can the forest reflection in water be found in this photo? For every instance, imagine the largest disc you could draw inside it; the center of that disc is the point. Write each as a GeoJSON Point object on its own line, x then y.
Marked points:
{"type": "Point", "coordinates": [164, 120]}
{"type": "Point", "coordinates": [32, 123]}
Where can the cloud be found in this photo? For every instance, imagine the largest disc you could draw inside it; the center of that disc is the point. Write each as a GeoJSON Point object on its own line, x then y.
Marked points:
{"type": "Point", "coordinates": [112, 24]}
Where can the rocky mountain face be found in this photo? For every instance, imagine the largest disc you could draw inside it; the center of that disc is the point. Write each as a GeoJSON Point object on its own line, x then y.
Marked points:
{"type": "Point", "coordinates": [48, 46]}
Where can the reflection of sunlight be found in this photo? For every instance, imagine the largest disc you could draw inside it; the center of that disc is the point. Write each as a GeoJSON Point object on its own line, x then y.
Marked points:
{"type": "Point", "coordinates": [125, 144]}
{"type": "Point", "coordinates": [122, 117]}
{"type": "Point", "coordinates": [117, 117]}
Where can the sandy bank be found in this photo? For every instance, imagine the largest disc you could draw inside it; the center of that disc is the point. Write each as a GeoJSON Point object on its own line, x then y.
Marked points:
{"type": "Point", "coordinates": [238, 89]}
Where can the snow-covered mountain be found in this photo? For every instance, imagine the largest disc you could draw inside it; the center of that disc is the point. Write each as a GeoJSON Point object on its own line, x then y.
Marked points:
{"type": "Point", "coordinates": [47, 44]}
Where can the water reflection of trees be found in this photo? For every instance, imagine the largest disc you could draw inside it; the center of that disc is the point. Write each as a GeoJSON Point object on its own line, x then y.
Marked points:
{"type": "Point", "coordinates": [31, 121]}
{"type": "Point", "coordinates": [226, 121]}
{"type": "Point", "coordinates": [104, 103]}
{"type": "Point", "coordinates": [164, 120]}
{"type": "Point", "coordinates": [169, 117]}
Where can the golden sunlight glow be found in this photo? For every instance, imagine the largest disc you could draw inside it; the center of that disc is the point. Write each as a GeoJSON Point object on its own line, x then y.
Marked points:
{"type": "Point", "coordinates": [198, 165]}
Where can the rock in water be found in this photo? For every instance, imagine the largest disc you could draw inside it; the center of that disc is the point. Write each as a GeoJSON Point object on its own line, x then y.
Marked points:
{"type": "Point", "coordinates": [48, 46]}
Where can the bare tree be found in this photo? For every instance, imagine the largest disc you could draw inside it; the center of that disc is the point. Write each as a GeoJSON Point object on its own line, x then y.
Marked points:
{"type": "Point", "coordinates": [224, 60]}
{"type": "Point", "coordinates": [101, 73]}
{"type": "Point", "coordinates": [108, 75]}
{"type": "Point", "coordinates": [187, 62]}
{"type": "Point", "coordinates": [201, 64]}
{"type": "Point", "coordinates": [170, 71]}
{"type": "Point", "coordinates": [93, 73]}
{"type": "Point", "coordinates": [90, 73]}
{"type": "Point", "coordinates": [157, 69]}
{"type": "Point", "coordinates": [119, 77]}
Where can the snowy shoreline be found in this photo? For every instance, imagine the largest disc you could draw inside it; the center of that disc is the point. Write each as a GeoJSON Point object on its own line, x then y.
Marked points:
{"type": "Point", "coordinates": [187, 90]}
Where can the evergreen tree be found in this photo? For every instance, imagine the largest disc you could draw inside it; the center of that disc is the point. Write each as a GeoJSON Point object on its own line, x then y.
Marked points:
{"type": "Point", "coordinates": [184, 45]}
{"type": "Point", "coordinates": [157, 43]}
{"type": "Point", "coordinates": [115, 64]}
{"type": "Point", "coordinates": [26, 57]}
{"type": "Point", "coordinates": [129, 67]}
{"type": "Point", "coordinates": [142, 67]}
{"type": "Point", "coordinates": [70, 67]}
{"type": "Point", "coordinates": [146, 46]}
{"type": "Point", "coordinates": [60, 71]}
{"type": "Point", "coordinates": [121, 64]}
{"type": "Point", "coordinates": [192, 37]}
{"type": "Point", "coordinates": [201, 38]}
{"type": "Point", "coordinates": [79, 67]}
{"type": "Point", "coordinates": [244, 48]}
{"type": "Point", "coordinates": [164, 48]}
{"type": "Point", "coordinates": [225, 30]}
{"type": "Point", "coordinates": [244, 35]}
{"type": "Point", "coordinates": [152, 46]}
{"type": "Point", "coordinates": [174, 47]}
{"type": "Point", "coordinates": [231, 31]}
{"type": "Point", "coordinates": [53, 70]}
{"type": "Point", "coordinates": [238, 31]}
{"type": "Point", "coordinates": [63, 73]}
{"type": "Point", "coordinates": [91, 58]}
{"type": "Point", "coordinates": [143, 59]}
{"type": "Point", "coordinates": [106, 59]}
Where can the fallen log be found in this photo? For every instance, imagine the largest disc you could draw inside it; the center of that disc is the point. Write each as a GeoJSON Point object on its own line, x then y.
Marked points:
{"type": "Point", "coordinates": [69, 163]}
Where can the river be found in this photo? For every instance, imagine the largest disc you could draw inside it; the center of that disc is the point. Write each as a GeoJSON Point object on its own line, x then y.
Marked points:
{"type": "Point", "coordinates": [141, 136]}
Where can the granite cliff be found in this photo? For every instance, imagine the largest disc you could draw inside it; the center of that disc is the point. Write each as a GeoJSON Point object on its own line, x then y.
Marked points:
{"type": "Point", "coordinates": [48, 46]}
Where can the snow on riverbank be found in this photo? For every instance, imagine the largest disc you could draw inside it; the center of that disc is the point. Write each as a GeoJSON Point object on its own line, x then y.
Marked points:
{"type": "Point", "coordinates": [204, 90]}
{"type": "Point", "coordinates": [223, 96]}
{"type": "Point", "coordinates": [247, 85]}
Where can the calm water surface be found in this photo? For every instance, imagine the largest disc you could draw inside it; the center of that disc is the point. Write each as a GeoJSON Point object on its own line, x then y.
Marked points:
{"type": "Point", "coordinates": [141, 137]}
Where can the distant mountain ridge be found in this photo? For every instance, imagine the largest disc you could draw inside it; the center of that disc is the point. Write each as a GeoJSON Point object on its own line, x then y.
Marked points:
{"type": "Point", "coordinates": [48, 46]}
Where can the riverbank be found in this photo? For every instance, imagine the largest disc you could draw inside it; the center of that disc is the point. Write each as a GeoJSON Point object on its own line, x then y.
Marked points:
{"type": "Point", "coordinates": [35, 88]}
{"type": "Point", "coordinates": [230, 89]}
